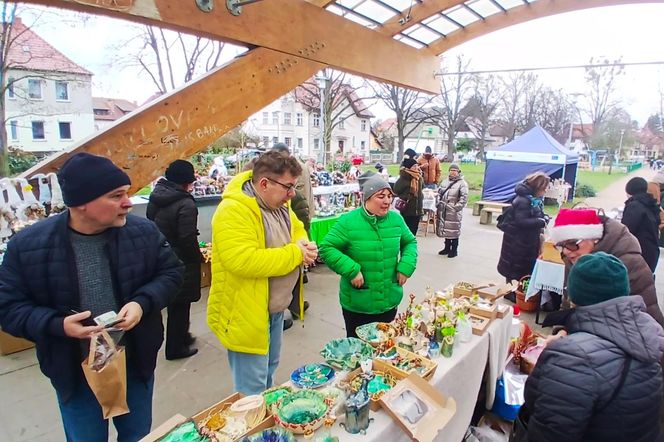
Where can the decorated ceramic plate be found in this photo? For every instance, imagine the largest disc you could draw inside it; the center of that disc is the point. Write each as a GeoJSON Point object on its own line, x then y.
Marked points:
{"type": "Point", "coordinates": [271, 435]}
{"type": "Point", "coordinates": [376, 333]}
{"type": "Point", "coordinates": [379, 383]}
{"type": "Point", "coordinates": [312, 375]}
{"type": "Point", "coordinates": [302, 412]}
{"type": "Point", "coordinates": [346, 353]}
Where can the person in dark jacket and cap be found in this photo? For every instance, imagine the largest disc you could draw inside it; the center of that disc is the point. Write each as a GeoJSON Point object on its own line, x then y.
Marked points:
{"type": "Point", "coordinates": [173, 209]}
{"type": "Point", "coordinates": [93, 258]}
{"type": "Point", "coordinates": [409, 187]}
{"type": "Point", "coordinates": [602, 382]}
{"type": "Point", "coordinates": [641, 216]}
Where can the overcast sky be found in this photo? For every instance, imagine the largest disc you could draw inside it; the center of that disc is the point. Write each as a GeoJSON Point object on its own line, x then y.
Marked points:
{"type": "Point", "coordinates": [633, 32]}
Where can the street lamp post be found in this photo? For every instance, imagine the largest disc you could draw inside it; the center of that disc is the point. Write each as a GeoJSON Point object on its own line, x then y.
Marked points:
{"type": "Point", "coordinates": [322, 80]}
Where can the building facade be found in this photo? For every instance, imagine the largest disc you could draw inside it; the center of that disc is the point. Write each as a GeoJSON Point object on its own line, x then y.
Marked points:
{"type": "Point", "coordinates": [289, 121]}
{"type": "Point", "coordinates": [48, 97]}
{"type": "Point", "coordinates": [107, 110]}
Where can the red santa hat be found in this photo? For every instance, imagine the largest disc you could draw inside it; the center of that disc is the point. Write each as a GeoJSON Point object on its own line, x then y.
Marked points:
{"type": "Point", "coordinates": [576, 224]}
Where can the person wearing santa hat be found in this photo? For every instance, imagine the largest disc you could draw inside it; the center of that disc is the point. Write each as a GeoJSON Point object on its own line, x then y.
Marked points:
{"type": "Point", "coordinates": [579, 232]}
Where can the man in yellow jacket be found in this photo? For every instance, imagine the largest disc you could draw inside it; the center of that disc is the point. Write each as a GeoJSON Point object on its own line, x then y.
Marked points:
{"type": "Point", "coordinates": [258, 249]}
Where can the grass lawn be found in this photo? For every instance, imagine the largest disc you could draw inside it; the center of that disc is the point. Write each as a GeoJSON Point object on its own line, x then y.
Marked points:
{"type": "Point", "coordinates": [474, 175]}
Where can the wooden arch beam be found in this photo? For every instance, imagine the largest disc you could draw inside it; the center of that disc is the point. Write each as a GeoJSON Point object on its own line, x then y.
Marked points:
{"type": "Point", "coordinates": [294, 27]}
{"type": "Point", "coordinates": [419, 12]}
{"type": "Point", "coordinates": [187, 120]}
{"type": "Point", "coordinates": [521, 14]}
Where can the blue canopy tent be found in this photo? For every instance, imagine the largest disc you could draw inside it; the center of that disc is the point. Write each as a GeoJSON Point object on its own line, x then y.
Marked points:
{"type": "Point", "coordinates": [534, 151]}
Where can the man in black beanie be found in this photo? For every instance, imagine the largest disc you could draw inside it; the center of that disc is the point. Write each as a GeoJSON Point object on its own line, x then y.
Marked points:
{"type": "Point", "coordinates": [641, 216]}
{"type": "Point", "coordinates": [173, 209]}
{"type": "Point", "coordinates": [94, 258]}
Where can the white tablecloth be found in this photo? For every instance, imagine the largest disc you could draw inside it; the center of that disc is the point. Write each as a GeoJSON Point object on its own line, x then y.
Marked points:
{"type": "Point", "coordinates": [547, 277]}
{"type": "Point", "coordinates": [459, 377]}
{"type": "Point", "coordinates": [343, 188]}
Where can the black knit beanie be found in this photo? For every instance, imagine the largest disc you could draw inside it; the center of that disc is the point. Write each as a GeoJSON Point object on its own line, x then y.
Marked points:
{"type": "Point", "coordinates": [408, 163]}
{"type": "Point", "coordinates": [180, 172]}
{"type": "Point", "coordinates": [85, 177]}
{"type": "Point", "coordinates": [636, 185]}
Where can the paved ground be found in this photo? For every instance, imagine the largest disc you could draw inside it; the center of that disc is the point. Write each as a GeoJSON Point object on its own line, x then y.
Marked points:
{"type": "Point", "coordinates": [29, 410]}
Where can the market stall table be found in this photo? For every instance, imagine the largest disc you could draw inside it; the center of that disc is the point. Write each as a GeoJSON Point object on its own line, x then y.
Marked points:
{"type": "Point", "coordinates": [320, 226]}
{"type": "Point", "coordinates": [459, 377]}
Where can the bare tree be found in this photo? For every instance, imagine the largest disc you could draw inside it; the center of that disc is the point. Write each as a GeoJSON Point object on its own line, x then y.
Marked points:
{"type": "Point", "coordinates": [340, 101]}
{"type": "Point", "coordinates": [514, 112]}
{"type": "Point", "coordinates": [17, 61]}
{"type": "Point", "coordinates": [407, 106]}
{"type": "Point", "coordinates": [169, 58]}
{"type": "Point", "coordinates": [554, 111]}
{"type": "Point", "coordinates": [481, 108]}
{"type": "Point", "coordinates": [447, 112]}
{"type": "Point", "coordinates": [600, 99]}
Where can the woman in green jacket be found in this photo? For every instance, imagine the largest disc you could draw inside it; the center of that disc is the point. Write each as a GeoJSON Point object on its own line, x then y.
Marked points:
{"type": "Point", "coordinates": [374, 252]}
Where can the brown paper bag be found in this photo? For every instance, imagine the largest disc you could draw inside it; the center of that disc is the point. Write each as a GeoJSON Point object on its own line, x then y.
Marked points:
{"type": "Point", "coordinates": [108, 382]}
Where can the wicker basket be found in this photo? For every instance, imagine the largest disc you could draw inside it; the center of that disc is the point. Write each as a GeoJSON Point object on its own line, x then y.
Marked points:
{"type": "Point", "coordinates": [531, 304]}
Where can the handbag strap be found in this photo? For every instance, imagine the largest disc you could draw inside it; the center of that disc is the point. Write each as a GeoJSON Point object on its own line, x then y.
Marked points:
{"type": "Point", "coordinates": [621, 382]}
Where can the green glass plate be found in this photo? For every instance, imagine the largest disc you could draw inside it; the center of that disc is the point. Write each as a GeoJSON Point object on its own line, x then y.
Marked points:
{"type": "Point", "coordinates": [346, 353]}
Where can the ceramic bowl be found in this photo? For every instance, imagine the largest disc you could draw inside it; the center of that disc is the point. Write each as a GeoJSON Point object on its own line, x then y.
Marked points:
{"type": "Point", "coordinates": [302, 412]}
{"type": "Point", "coordinates": [346, 353]}
{"type": "Point", "coordinates": [376, 333]}
{"type": "Point", "coordinates": [274, 394]}
{"type": "Point", "coordinates": [312, 376]}
{"type": "Point", "coordinates": [271, 435]}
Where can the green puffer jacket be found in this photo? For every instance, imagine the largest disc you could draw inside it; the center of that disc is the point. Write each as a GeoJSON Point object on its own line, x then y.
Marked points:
{"type": "Point", "coordinates": [379, 247]}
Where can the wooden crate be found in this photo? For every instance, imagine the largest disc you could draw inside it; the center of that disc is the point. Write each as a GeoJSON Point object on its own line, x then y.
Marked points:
{"type": "Point", "coordinates": [428, 363]}
{"type": "Point", "coordinates": [10, 344]}
{"type": "Point", "coordinates": [266, 423]}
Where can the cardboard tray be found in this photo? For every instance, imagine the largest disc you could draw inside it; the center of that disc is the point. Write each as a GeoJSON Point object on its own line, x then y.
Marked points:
{"type": "Point", "coordinates": [550, 254]}
{"type": "Point", "coordinates": [486, 312]}
{"type": "Point", "coordinates": [10, 344]}
{"type": "Point", "coordinates": [431, 365]}
{"type": "Point", "coordinates": [502, 310]}
{"type": "Point", "coordinates": [263, 425]}
{"type": "Point", "coordinates": [479, 324]}
{"type": "Point", "coordinates": [379, 365]}
{"type": "Point", "coordinates": [206, 274]}
{"type": "Point", "coordinates": [458, 291]}
{"type": "Point", "coordinates": [439, 409]}
{"type": "Point", "coordinates": [492, 293]}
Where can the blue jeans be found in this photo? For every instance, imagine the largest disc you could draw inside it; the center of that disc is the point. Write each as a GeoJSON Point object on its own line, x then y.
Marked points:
{"type": "Point", "coordinates": [252, 374]}
{"type": "Point", "coordinates": [431, 186]}
{"type": "Point", "coordinates": [83, 420]}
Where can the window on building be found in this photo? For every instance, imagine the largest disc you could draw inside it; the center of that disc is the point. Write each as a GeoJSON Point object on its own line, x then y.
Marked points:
{"type": "Point", "coordinates": [287, 118]}
{"type": "Point", "coordinates": [275, 117]}
{"type": "Point", "coordinates": [300, 143]}
{"type": "Point", "coordinates": [275, 140]}
{"type": "Point", "coordinates": [316, 122]}
{"type": "Point", "coordinates": [65, 130]}
{"type": "Point", "coordinates": [266, 117]}
{"type": "Point", "coordinates": [363, 125]}
{"type": "Point", "coordinates": [266, 141]}
{"type": "Point", "coordinates": [10, 87]}
{"type": "Point", "coordinates": [341, 124]}
{"type": "Point", "coordinates": [316, 144]}
{"type": "Point", "coordinates": [298, 119]}
{"type": "Point", "coordinates": [38, 130]}
{"type": "Point", "coordinates": [101, 111]}
{"type": "Point", "coordinates": [61, 90]}
{"type": "Point", "coordinates": [363, 144]}
{"type": "Point", "coordinates": [13, 130]}
{"type": "Point", "coordinates": [287, 141]}
{"type": "Point", "coordinates": [34, 89]}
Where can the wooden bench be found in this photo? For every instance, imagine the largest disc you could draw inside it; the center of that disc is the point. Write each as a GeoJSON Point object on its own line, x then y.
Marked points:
{"type": "Point", "coordinates": [479, 205]}
{"type": "Point", "coordinates": [486, 215]}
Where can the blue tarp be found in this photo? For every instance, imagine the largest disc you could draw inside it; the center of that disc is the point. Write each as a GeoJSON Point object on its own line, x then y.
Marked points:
{"type": "Point", "coordinates": [534, 151]}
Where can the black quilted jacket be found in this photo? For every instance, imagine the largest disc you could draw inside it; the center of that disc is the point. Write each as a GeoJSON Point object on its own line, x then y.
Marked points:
{"type": "Point", "coordinates": [521, 245]}
{"type": "Point", "coordinates": [568, 391]}
{"type": "Point", "coordinates": [39, 287]}
{"type": "Point", "coordinates": [174, 211]}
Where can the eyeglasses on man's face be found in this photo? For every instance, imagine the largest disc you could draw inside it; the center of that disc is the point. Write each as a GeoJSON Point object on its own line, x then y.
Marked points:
{"type": "Point", "coordinates": [288, 187]}
{"type": "Point", "coordinates": [571, 245]}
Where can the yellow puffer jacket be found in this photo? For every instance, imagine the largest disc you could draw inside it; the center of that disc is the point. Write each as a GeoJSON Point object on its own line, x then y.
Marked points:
{"type": "Point", "coordinates": [237, 309]}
